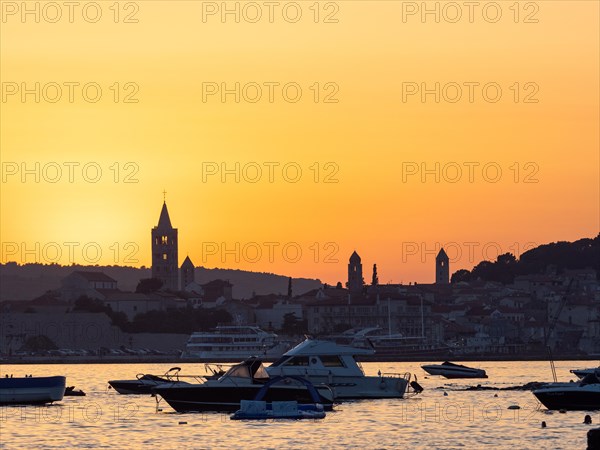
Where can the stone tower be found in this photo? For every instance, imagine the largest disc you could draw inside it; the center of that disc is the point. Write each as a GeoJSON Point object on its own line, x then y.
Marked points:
{"type": "Point", "coordinates": [187, 272]}
{"type": "Point", "coordinates": [355, 276]}
{"type": "Point", "coordinates": [164, 251]}
{"type": "Point", "coordinates": [442, 268]}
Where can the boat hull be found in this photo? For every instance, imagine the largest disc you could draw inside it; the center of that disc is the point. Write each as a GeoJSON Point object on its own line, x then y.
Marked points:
{"type": "Point", "coordinates": [134, 387]}
{"type": "Point", "coordinates": [195, 398]}
{"type": "Point", "coordinates": [570, 398]}
{"type": "Point", "coordinates": [357, 388]}
{"type": "Point", "coordinates": [32, 391]}
{"type": "Point", "coordinates": [453, 373]}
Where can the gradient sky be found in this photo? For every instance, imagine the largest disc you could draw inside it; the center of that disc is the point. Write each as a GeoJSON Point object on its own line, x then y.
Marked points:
{"type": "Point", "coordinates": [372, 138]}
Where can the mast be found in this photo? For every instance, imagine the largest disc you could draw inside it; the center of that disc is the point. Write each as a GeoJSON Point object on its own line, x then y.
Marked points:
{"type": "Point", "coordinates": [422, 321]}
{"type": "Point", "coordinates": [389, 319]}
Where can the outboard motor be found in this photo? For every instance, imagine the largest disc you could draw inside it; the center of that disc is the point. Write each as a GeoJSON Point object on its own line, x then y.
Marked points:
{"type": "Point", "coordinates": [416, 387]}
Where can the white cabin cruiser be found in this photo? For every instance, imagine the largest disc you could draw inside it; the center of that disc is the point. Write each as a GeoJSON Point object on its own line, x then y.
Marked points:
{"type": "Point", "coordinates": [325, 362]}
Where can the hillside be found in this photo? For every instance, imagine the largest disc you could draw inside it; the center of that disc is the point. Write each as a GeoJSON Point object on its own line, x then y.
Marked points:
{"type": "Point", "coordinates": [25, 282]}
{"type": "Point", "coordinates": [557, 256]}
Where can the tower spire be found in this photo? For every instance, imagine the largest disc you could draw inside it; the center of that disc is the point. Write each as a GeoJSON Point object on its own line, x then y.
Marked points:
{"type": "Point", "coordinates": [164, 251]}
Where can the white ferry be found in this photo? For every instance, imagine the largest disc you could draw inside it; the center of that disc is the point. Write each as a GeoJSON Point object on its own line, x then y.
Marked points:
{"type": "Point", "coordinates": [234, 343]}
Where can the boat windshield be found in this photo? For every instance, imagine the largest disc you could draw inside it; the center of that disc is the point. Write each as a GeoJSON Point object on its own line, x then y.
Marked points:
{"type": "Point", "coordinates": [240, 371]}
{"type": "Point", "coordinates": [360, 367]}
{"type": "Point", "coordinates": [280, 361]}
{"type": "Point", "coordinates": [261, 372]}
{"type": "Point", "coordinates": [252, 368]}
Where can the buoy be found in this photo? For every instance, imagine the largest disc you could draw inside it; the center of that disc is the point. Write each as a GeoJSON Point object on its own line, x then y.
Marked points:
{"type": "Point", "coordinates": [562, 411]}
{"type": "Point", "coordinates": [495, 395]}
{"type": "Point", "coordinates": [182, 423]}
{"type": "Point", "coordinates": [587, 419]}
{"type": "Point", "coordinates": [543, 424]}
{"type": "Point", "coordinates": [445, 394]}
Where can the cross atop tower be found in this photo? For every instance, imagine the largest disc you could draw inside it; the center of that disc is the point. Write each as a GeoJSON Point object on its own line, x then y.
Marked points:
{"type": "Point", "coordinates": [164, 196]}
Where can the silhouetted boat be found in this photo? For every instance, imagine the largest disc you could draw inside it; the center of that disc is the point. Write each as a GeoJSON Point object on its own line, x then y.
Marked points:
{"type": "Point", "coordinates": [580, 373]}
{"type": "Point", "coordinates": [241, 382]}
{"type": "Point", "coordinates": [31, 390]}
{"type": "Point", "coordinates": [144, 383]}
{"type": "Point", "coordinates": [451, 370]}
{"type": "Point", "coordinates": [581, 396]}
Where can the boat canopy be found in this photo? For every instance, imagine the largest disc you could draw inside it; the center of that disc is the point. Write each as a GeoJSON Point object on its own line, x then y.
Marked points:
{"type": "Point", "coordinates": [251, 368]}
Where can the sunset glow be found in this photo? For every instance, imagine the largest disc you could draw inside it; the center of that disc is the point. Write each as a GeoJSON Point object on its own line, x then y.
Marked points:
{"type": "Point", "coordinates": [501, 155]}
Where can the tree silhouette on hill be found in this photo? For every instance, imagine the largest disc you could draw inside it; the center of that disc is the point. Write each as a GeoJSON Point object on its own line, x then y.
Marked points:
{"type": "Point", "coordinates": [581, 254]}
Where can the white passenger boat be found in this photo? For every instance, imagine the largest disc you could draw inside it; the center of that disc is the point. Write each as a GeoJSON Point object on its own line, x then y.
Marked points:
{"type": "Point", "coordinates": [233, 343]}
{"type": "Point", "coordinates": [451, 370]}
{"type": "Point", "coordinates": [325, 362]}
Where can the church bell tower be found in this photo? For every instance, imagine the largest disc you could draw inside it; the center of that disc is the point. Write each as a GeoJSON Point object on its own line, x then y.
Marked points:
{"type": "Point", "coordinates": [164, 251]}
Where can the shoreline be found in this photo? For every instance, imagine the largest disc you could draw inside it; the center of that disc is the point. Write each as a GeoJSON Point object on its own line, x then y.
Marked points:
{"type": "Point", "coordinates": [383, 358]}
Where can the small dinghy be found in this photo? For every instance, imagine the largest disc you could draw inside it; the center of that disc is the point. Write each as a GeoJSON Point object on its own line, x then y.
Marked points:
{"type": "Point", "coordinates": [31, 390]}
{"type": "Point", "coordinates": [451, 370]}
{"type": "Point", "coordinates": [261, 410]}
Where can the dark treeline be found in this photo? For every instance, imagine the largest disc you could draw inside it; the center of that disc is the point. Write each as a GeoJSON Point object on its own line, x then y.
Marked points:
{"type": "Point", "coordinates": [184, 320]}
{"type": "Point", "coordinates": [581, 254]}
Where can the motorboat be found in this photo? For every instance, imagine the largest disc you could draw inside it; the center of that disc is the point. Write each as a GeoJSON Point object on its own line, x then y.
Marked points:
{"type": "Point", "coordinates": [451, 370]}
{"type": "Point", "coordinates": [242, 381]}
{"type": "Point", "coordinates": [258, 409]}
{"type": "Point", "coordinates": [144, 383]}
{"type": "Point", "coordinates": [580, 373]}
{"type": "Point", "coordinates": [32, 390]}
{"type": "Point", "coordinates": [233, 343]}
{"type": "Point", "coordinates": [326, 362]}
{"type": "Point", "coordinates": [580, 396]}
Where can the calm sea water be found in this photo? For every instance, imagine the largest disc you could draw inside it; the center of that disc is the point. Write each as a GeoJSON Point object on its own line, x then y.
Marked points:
{"type": "Point", "coordinates": [462, 419]}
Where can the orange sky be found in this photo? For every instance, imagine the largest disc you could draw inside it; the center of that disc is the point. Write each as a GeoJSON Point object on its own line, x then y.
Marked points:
{"type": "Point", "coordinates": [373, 141]}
